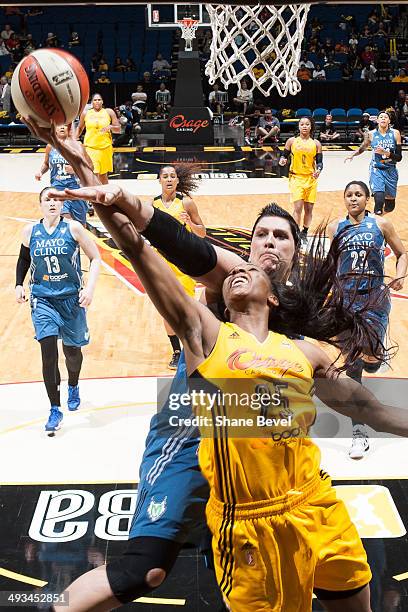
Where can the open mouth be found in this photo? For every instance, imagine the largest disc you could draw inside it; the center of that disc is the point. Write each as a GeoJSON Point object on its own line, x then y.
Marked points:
{"type": "Point", "coordinates": [238, 281]}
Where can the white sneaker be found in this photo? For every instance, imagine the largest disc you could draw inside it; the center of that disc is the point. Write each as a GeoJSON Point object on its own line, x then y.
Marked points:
{"type": "Point", "coordinates": [360, 444]}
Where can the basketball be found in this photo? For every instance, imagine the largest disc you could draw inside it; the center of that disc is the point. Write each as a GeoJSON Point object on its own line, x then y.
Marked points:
{"type": "Point", "coordinates": [50, 85]}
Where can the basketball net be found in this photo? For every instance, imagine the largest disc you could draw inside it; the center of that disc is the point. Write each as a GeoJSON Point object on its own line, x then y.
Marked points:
{"type": "Point", "coordinates": [259, 42]}
{"type": "Point", "coordinates": [188, 31]}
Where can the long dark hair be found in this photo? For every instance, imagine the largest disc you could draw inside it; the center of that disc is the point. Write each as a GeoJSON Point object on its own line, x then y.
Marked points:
{"type": "Point", "coordinates": [184, 172]}
{"type": "Point", "coordinates": [316, 305]}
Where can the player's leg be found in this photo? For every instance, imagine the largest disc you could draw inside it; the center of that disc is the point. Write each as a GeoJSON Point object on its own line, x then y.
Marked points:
{"type": "Point", "coordinates": [359, 444]}
{"type": "Point", "coordinates": [391, 182]}
{"type": "Point", "coordinates": [145, 564]}
{"type": "Point", "coordinates": [307, 218]}
{"type": "Point", "coordinates": [74, 334]}
{"type": "Point", "coordinates": [75, 209]}
{"type": "Point", "coordinates": [309, 199]}
{"type": "Point", "coordinates": [352, 602]}
{"type": "Point", "coordinates": [175, 345]}
{"type": "Point", "coordinates": [47, 324]}
{"type": "Point", "coordinates": [105, 164]}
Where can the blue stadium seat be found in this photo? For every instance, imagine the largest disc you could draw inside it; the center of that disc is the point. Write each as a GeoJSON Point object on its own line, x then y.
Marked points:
{"type": "Point", "coordinates": [372, 110]}
{"type": "Point", "coordinates": [303, 112]}
{"type": "Point", "coordinates": [354, 114]}
{"type": "Point", "coordinates": [116, 77]}
{"type": "Point", "coordinates": [319, 114]}
{"type": "Point", "coordinates": [339, 115]}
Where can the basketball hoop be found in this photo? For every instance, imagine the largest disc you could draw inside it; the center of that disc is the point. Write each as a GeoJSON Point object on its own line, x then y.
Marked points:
{"type": "Point", "coordinates": [259, 42]}
{"type": "Point", "coordinates": [188, 31]}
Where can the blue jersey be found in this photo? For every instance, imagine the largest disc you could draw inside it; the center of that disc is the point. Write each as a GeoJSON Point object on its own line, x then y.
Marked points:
{"type": "Point", "coordinates": [386, 141]}
{"type": "Point", "coordinates": [55, 263]}
{"type": "Point", "coordinates": [59, 178]}
{"type": "Point", "coordinates": [362, 253]}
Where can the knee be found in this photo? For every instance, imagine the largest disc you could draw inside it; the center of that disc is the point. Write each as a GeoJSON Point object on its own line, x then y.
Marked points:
{"type": "Point", "coordinates": [155, 577]}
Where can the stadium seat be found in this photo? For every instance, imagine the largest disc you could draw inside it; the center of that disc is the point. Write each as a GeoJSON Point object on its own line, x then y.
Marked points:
{"type": "Point", "coordinates": [339, 115]}
{"type": "Point", "coordinates": [354, 114]}
{"type": "Point", "coordinates": [319, 114]}
{"type": "Point", "coordinates": [371, 110]}
{"type": "Point", "coordinates": [303, 112]}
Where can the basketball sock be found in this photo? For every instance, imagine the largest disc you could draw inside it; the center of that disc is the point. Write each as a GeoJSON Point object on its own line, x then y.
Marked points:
{"type": "Point", "coordinates": [175, 343]}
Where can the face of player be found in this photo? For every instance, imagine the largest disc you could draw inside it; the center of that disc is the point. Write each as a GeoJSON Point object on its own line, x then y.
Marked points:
{"type": "Point", "coordinates": [246, 284]}
{"type": "Point", "coordinates": [273, 247]}
{"type": "Point", "coordinates": [50, 208]}
{"type": "Point", "coordinates": [97, 103]}
{"type": "Point", "coordinates": [62, 131]}
{"type": "Point", "coordinates": [356, 200]}
{"type": "Point", "coordinates": [168, 179]}
{"type": "Point", "coordinates": [305, 127]}
{"type": "Point", "coordinates": [383, 121]}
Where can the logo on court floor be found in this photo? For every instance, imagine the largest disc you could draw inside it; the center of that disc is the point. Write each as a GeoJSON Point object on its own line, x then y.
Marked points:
{"type": "Point", "coordinates": [156, 509]}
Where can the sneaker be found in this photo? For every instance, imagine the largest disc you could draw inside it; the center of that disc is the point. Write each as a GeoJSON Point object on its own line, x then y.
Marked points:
{"type": "Point", "coordinates": [360, 444]}
{"type": "Point", "coordinates": [74, 400]}
{"type": "Point", "coordinates": [174, 361]}
{"type": "Point", "coordinates": [54, 421]}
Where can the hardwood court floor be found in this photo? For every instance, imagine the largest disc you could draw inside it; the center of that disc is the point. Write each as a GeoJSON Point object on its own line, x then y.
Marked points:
{"type": "Point", "coordinates": [127, 335]}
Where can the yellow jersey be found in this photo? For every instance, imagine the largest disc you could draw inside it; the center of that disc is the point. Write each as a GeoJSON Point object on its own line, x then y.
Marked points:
{"type": "Point", "coordinates": [175, 209]}
{"type": "Point", "coordinates": [94, 122]}
{"type": "Point", "coordinates": [303, 156]}
{"type": "Point", "coordinates": [252, 449]}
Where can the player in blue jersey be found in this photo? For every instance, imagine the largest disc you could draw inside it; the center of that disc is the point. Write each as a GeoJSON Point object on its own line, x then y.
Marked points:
{"type": "Point", "coordinates": [58, 298]}
{"type": "Point", "coordinates": [387, 151]}
{"type": "Point", "coordinates": [361, 273]}
{"type": "Point", "coordinates": [63, 177]}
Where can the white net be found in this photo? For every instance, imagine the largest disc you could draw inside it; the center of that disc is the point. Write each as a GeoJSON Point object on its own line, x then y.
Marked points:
{"type": "Point", "coordinates": [188, 32]}
{"type": "Point", "coordinates": [262, 43]}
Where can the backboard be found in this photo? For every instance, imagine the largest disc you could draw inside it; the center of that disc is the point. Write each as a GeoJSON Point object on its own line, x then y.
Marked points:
{"type": "Point", "coordinates": [168, 15]}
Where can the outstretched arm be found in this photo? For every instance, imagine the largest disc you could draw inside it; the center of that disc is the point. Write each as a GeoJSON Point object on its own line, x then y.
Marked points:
{"type": "Point", "coordinates": [363, 147]}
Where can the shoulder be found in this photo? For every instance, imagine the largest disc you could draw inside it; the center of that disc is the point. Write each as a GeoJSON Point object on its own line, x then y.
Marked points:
{"type": "Point", "coordinates": [26, 233]}
{"type": "Point", "coordinates": [48, 149]}
{"type": "Point", "coordinates": [318, 359]}
{"type": "Point", "coordinates": [333, 226]}
{"type": "Point", "coordinates": [290, 141]}
{"type": "Point", "coordinates": [75, 228]}
{"type": "Point", "coordinates": [317, 143]}
{"type": "Point", "coordinates": [187, 200]}
{"type": "Point", "coordinates": [384, 224]}
{"type": "Point", "coordinates": [397, 133]}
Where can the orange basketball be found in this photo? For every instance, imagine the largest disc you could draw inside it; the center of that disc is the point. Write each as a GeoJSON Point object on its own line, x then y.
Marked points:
{"type": "Point", "coordinates": [50, 85]}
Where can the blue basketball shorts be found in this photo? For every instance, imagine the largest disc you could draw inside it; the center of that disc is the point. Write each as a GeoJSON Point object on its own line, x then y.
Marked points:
{"type": "Point", "coordinates": [378, 315]}
{"type": "Point", "coordinates": [62, 317]}
{"type": "Point", "coordinates": [172, 492]}
{"type": "Point", "coordinates": [77, 209]}
{"type": "Point", "coordinates": [385, 180]}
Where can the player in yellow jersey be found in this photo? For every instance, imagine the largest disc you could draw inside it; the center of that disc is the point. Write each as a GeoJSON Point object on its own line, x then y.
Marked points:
{"type": "Point", "coordinates": [279, 532]}
{"type": "Point", "coordinates": [177, 184]}
{"type": "Point", "coordinates": [305, 169]}
{"type": "Point", "coordinates": [100, 124]}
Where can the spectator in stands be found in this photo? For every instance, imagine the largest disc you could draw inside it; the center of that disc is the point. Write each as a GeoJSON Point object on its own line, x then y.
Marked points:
{"type": "Point", "coordinates": [346, 72]}
{"type": "Point", "coordinates": [103, 65]}
{"type": "Point", "coordinates": [139, 99]}
{"type": "Point", "coordinates": [161, 68]}
{"type": "Point", "coordinates": [74, 41]}
{"type": "Point", "coordinates": [303, 74]}
{"type": "Point", "coordinates": [399, 106]}
{"type": "Point", "coordinates": [328, 132]}
{"type": "Point", "coordinates": [244, 99]}
{"type": "Point", "coordinates": [367, 56]}
{"type": "Point", "coordinates": [330, 61]}
{"type": "Point", "coordinates": [328, 46]}
{"type": "Point", "coordinates": [29, 44]}
{"type": "Point", "coordinates": [118, 65]}
{"type": "Point", "coordinates": [366, 125]}
{"type": "Point", "coordinates": [369, 73]}
{"type": "Point", "coordinates": [125, 117]}
{"type": "Point", "coordinates": [51, 42]}
{"type": "Point", "coordinates": [3, 48]}
{"type": "Point", "coordinates": [130, 65]}
{"type": "Point", "coordinates": [315, 26]}
{"type": "Point", "coordinates": [394, 62]}
{"type": "Point", "coordinates": [95, 62]}
{"type": "Point", "coordinates": [214, 100]}
{"type": "Point", "coordinates": [14, 47]}
{"type": "Point", "coordinates": [381, 30]}
{"type": "Point", "coordinates": [305, 62]}
{"type": "Point", "coordinates": [372, 21]}
{"type": "Point", "coordinates": [163, 101]}
{"type": "Point", "coordinates": [150, 88]}
{"type": "Point", "coordinates": [401, 77]}
{"type": "Point", "coordinates": [5, 95]}
{"type": "Point", "coordinates": [386, 18]}
{"type": "Point", "coordinates": [319, 73]}
{"type": "Point", "coordinates": [7, 32]}
{"type": "Point", "coordinates": [268, 128]}
{"type": "Point", "coordinates": [103, 78]}
{"type": "Point", "coordinates": [353, 40]}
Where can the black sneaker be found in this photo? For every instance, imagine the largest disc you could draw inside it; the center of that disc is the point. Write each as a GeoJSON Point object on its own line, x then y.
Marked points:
{"type": "Point", "coordinates": [174, 361]}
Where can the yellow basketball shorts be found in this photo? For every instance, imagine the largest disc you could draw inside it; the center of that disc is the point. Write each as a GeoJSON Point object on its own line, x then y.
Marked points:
{"type": "Point", "coordinates": [102, 159]}
{"type": "Point", "coordinates": [302, 188]}
{"type": "Point", "coordinates": [270, 555]}
{"type": "Point", "coordinates": [187, 283]}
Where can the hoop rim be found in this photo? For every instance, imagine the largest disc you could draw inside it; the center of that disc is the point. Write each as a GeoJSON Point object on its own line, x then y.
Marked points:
{"type": "Point", "coordinates": [188, 22]}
